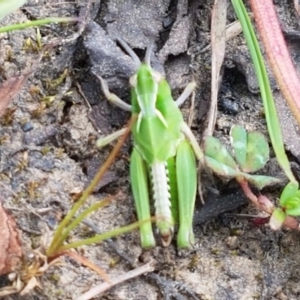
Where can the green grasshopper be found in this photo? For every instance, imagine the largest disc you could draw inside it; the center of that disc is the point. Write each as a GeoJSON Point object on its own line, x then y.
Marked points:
{"type": "Point", "coordinates": [163, 154]}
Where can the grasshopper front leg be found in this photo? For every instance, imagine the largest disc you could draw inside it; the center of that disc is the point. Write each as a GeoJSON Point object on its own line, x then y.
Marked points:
{"type": "Point", "coordinates": [113, 98]}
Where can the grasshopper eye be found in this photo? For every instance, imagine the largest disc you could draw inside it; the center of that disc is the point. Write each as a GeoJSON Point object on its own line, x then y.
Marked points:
{"type": "Point", "coordinates": [133, 80]}
{"type": "Point", "coordinates": [158, 77]}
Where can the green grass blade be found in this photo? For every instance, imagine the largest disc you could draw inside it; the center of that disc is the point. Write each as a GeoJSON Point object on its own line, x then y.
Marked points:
{"type": "Point", "coordinates": [265, 90]}
{"type": "Point", "coordinates": [57, 241]}
{"type": "Point", "coordinates": [41, 22]}
{"type": "Point", "coordinates": [104, 236]}
{"type": "Point", "coordinates": [80, 217]}
{"type": "Point", "coordinates": [8, 6]}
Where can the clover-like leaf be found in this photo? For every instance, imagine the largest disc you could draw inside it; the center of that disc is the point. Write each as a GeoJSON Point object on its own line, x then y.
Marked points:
{"type": "Point", "coordinates": [220, 168]}
{"type": "Point", "coordinates": [214, 149]}
{"type": "Point", "coordinates": [238, 139]}
{"type": "Point", "coordinates": [292, 205]}
{"type": "Point", "coordinates": [277, 218]}
{"type": "Point", "coordinates": [290, 199]}
{"type": "Point", "coordinates": [288, 192]}
{"type": "Point", "coordinates": [219, 159]}
{"type": "Point", "coordinates": [260, 181]}
{"type": "Point", "coordinates": [251, 149]}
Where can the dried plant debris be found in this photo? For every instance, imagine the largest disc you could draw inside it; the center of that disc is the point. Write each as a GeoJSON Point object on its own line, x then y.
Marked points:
{"type": "Point", "coordinates": [10, 245]}
{"type": "Point", "coordinates": [10, 88]}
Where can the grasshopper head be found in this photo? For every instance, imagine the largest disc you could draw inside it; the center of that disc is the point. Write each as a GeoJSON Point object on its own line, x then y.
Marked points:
{"type": "Point", "coordinates": [145, 84]}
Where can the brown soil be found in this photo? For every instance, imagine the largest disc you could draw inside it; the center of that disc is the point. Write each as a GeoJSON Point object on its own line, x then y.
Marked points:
{"type": "Point", "coordinates": [48, 151]}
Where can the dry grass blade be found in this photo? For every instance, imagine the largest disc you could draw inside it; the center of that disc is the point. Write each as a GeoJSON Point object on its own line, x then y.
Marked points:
{"type": "Point", "coordinates": [84, 261]}
{"type": "Point", "coordinates": [105, 286]}
{"type": "Point", "coordinates": [10, 89]}
{"type": "Point", "coordinates": [277, 53]}
{"type": "Point", "coordinates": [218, 42]}
{"type": "Point", "coordinates": [10, 246]}
{"type": "Point", "coordinates": [232, 30]}
{"type": "Point", "coordinates": [297, 6]}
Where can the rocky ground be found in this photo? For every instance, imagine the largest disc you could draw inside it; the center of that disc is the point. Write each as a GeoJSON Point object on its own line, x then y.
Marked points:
{"type": "Point", "coordinates": [48, 152]}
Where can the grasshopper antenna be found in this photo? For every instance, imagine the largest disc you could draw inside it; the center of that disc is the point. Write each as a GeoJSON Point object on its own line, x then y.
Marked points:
{"type": "Point", "coordinates": [129, 51]}
{"type": "Point", "coordinates": [148, 55]}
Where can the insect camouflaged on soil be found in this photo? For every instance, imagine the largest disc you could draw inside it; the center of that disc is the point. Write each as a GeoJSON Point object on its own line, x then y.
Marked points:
{"type": "Point", "coordinates": [164, 152]}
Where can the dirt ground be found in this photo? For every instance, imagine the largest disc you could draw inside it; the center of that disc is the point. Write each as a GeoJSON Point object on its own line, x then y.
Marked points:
{"type": "Point", "coordinates": [48, 152]}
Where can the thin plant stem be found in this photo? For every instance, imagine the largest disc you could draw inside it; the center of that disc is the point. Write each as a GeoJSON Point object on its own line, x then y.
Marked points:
{"type": "Point", "coordinates": [41, 22]}
{"type": "Point", "coordinates": [57, 240]}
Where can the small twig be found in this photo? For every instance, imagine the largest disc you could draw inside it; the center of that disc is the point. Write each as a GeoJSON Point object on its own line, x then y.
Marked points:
{"type": "Point", "coordinates": [232, 30]}
{"type": "Point", "coordinates": [218, 27]}
{"type": "Point", "coordinates": [83, 96]}
{"type": "Point", "coordinates": [119, 279]}
{"type": "Point", "coordinates": [192, 109]}
{"type": "Point", "coordinates": [84, 261]}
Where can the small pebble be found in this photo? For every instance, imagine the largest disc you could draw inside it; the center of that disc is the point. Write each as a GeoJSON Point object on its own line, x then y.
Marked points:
{"type": "Point", "coordinates": [228, 106]}
{"type": "Point", "coordinates": [27, 127]}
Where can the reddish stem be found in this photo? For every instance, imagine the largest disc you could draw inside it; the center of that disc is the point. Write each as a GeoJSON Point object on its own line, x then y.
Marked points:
{"type": "Point", "coordinates": [263, 203]}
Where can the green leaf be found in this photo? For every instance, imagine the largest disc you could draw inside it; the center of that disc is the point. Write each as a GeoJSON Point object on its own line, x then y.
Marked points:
{"type": "Point", "coordinates": [288, 192]}
{"type": "Point", "coordinates": [251, 149]}
{"type": "Point", "coordinates": [277, 218]}
{"type": "Point", "coordinates": [260, 181]}
{"type": "Point", "coordinates": [41, 22]}
{"type": "Point", "coordinates": [215, 150]}
{"type": "Point", "coordinates": [8, 6]}
{"type": "Point", "coordinates": [257, 152]}
{"type": "Point", "coordinates": [238, 140]}
{"type": "Point", "coordinates": [220, 168]}
{"type": "Point", "coordinates": [290, 199]}
{"type": "Point", "coordinates": [293, 208]}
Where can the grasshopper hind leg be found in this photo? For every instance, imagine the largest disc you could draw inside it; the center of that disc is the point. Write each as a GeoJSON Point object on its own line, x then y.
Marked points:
{"type": "Point", "coordinates": [186, 172]}
{"type": "Point", "coordinates": [140, 189]}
